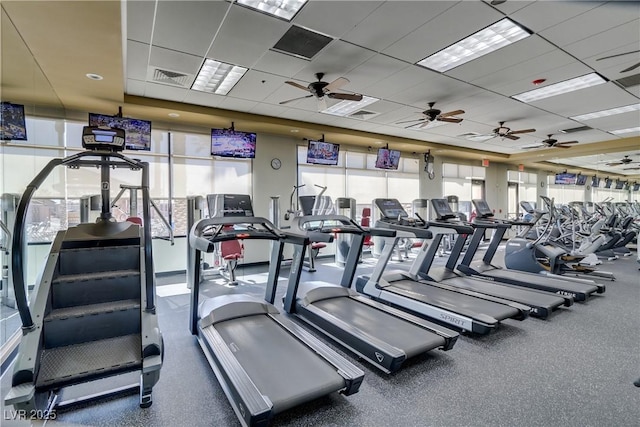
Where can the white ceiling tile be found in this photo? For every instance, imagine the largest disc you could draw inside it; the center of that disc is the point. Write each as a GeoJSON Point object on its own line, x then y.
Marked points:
{"type": "Point", "coordinates": [592, 22]}
{"type": "Point", "coordinates": [335, 60]}
{"type": "Point", "coordinates": [172, 60]}
{"type": "Point", "coordinates": [236, 104]}
{"type": "Point", "coordinates": [232, 44]}
{"type": "Point", "coordinates": [622, 38]}
{"type": "Point", "coordinates": [334, 18]}
{"type": "Point", "coordinates": [295, 114]}
{"type": "Point", "coordinates": [160, 91]}
{"type": "Point", "coordinates": [372, 71]}
{"type": "Point", "coordinates": [595, 98]}
{"type": "Point", "coordinates": [256, 85]}
{"type": "Point", "coordinates": [188, 26]}
{"type": "Point", "coordinates": [279, 63]}
{"type": "Point", "coordinates": [454, 24]}
{"type": "Point", "coordinates": [135, 87]}
{"type": "Point", "coordinates": [137, 59]}
{"type": "Point", "coordinates": [140, 20]}
{"type": "Point", "coordinates": [392, 21]}
{"type": "Point", "coordinates": [203, 98]}
{"type": "Point", "coordinates": [540, 15]}
{"type": "Point", "coordinates": [408, 77]}
{"type": "Point", "coordinates": [268, 109]}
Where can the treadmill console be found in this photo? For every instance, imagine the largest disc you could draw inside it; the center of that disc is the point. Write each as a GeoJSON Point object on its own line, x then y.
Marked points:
{"type": "Point", "coordinates": [527, 207]}
{"type": "Point", "coordinates": [229, 205]}
{"type": "Point", "coordinates": [482, 208]}
{"type": "Point", "coordinates": [103, 138]}
{"type": "Point", "coordinates": [442, 209]}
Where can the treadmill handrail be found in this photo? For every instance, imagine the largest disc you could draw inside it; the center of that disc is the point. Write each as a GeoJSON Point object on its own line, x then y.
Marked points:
{"type": "Point", "coordinates": [458, 227]}
{"type": "Point", "coordinates": [344, 224]}
{"type": "Point", "coordinates": [19, 235]}
{"type": "Point", "coordinates": [417, 231]}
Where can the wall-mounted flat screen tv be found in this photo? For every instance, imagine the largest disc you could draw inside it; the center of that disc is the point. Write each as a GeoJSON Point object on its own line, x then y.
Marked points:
{"type": "Point", "coordinates": [565, 178]}
{"type": "Point", "coordinates": [322, 153]}
{"type": "Point", "coordinates": [12, 122]}
{"type": "Point", "coordinates": [137, 131]}
{"type": "Point", "coordinates": [233, 143]}
{"type": "Point", "coordinates": [636, 186]}
{"type": "Point", "coordinates": [620, 184]}
{"type": "Point", "coordinates": [595, 182]}
{"type": "Point", "coordinates": [387, 159]}
{"type": "Point", "coordinates": [608, 182]}
{"type": "Point", "coordinates": [581, 179]}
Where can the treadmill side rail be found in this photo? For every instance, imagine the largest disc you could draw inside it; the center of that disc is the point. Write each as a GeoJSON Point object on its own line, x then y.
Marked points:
{"type": "Point", "coordinates": [249, 404]}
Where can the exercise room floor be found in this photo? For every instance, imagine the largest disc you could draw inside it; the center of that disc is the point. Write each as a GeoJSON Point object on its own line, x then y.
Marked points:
{"type": "Point", "coordinates": [574, 369]}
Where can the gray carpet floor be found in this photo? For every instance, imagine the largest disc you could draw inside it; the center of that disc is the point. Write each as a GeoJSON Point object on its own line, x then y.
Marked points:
{"type": "Point", "coordinates": [574, 369]}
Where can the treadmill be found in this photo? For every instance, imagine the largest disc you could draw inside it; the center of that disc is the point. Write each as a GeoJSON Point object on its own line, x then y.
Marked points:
{"type": "Point", "coordinates": [579, 290]}
{"type": "Point", "coordinates": [378, 333]}
{"type": "Point", "coordinates": [463, 309]}
{"type": "Point", "coordinates": [264, 362]}
{"type": "Point", "coordinates": [541, 303]}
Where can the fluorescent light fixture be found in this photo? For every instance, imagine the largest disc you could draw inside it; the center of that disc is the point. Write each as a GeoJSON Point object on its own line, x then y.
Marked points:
{"type": "Point", "coordinates": [286, 9]}
{"type": "Point", "coordinates": [500, 34]}
{"type": "Point", "coordinates": [605, 113]}
{"type": "Point", "coordinates": [559, 88]}
{"type": "Point", "coordinates": [217, 77]}
{"type": "Point", "coordinates": [622, 131]}
{"type": "Point", "coordinates": [344, 108]}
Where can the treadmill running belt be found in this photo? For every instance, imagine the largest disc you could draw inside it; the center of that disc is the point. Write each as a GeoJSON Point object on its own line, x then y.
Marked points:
{"type": "Point", "coordinates": [543, 280]}
{"type": "Point", "coordinates": [282, 368]}
{"type": "Point", "coordinates": [449, 300]}
{"type": "Point", "coordinates": [399, 333]}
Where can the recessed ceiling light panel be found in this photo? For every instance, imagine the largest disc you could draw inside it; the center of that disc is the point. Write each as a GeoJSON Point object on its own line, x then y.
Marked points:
{"type": "Point", "coordinates": [559, 88]}
{"type": "Point", "coordinates": [217, 77]}
{"type": "Point", "coordinates": [500, 34]}
{"type": "Point", "coordinates": [344, 108]}
{"type": "Point", "coordinates": [286, 9]}
{"type": "Point", "coordinates": [623, 131]}
{"type": "Point", "coordinates": [605, 113]}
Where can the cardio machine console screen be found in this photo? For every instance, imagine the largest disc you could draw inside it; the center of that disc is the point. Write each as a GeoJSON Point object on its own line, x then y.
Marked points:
{"type": "Point", "coordinates": [391, 208]}
{"type": "Point", "coordinates": [442, 209]}
{"type": "Point", "coordinates": [237, 205]}
{"type": "Point", "coordinates": [483, 208]}
{"type": "Point", "coordinates": [103, 138]}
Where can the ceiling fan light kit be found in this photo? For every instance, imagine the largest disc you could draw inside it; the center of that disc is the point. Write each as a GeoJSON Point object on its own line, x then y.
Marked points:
{"type": "Point", "coordinates": [321, 89]}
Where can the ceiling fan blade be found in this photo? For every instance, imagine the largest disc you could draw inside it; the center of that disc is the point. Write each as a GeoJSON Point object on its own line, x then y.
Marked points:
{"type": "Point", "coordinates": [615, 164]}
{"type": "Point", "coordinates": [336, 84]}
{"type": "Point", "coordinates": [409, 121]}
{"type": "Point", "coordinates": [449, 119]}
{"type": "Point", "coordinates": [452, 113]}
{"type": "Point", "coordinates": [633, 67]}
{"type": "Point", "coordinates": [561, 146]}
{"type": "Point", "coordinates": [522, 131]}
{"type": "Point", "coordinates": [620, 54]}
{"type": "Point", "coordinates": [298, 85]}
{"type": "Point", "coordinates": [529, 147]}
{"type": "Point", "coordinates": [631, 169]}
{"type": "Point", "coordinates": [566, 143]}
{"type": "Point", "coordinates": [511, 137]}
{"type": "Point", "coordinates": [347, 96]}
{"type": "Point", "coordinates": [294, 99]}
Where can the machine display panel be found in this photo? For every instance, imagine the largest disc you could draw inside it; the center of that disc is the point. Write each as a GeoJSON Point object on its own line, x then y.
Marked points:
{"type": "Point", "coordinates": [391, 208]}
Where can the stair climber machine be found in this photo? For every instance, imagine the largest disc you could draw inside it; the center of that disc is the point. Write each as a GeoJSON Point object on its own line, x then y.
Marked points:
{"type": "Point", "coordinates": [378, 333]}
{"type": "Point", "coordinates": [577, 291]}
{"type": "Point", "coordinates": [460, 308]}
{"type": "Point", "coordinates": [92, 321]}
{"type": "Point", "coordinates": [264, 361]}
{"type": "Point", "coordinates": [541, 304]}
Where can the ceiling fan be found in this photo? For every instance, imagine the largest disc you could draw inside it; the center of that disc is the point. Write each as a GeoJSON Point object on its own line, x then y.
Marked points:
{"type": "Point", "coordinates": [504, 132]}
{"type": "Point", "coordinates": [432, 115]}
{"type": "Point", "coordinates": [633, 67]}
{"type": "Point", "coordinates": [624, 161]}
{"type": "Point", "coordinates": [551, 142]}
{"type": "Point", "coordinates": [321, 89]}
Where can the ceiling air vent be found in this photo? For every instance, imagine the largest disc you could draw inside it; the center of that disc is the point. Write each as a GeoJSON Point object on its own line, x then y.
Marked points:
{"type": "Point", "coordinates": [629, 81]}
{"type": "Point", "coordinates": [301, 42]}
{"type": "Point", "coordinates": [574, 130]}
{"type": "Point", "coordinates": [363, 114]}
{"type": "Point", "coordinates": [170, 77]}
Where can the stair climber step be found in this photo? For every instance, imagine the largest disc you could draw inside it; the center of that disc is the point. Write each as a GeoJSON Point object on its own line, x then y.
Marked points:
{"type": "Point", "coordinates": [73, 364]}
{"type": "Point", "coordinates": [75, 325]}
{"type": "Point", "coordinates": [102, 234]}
{"type": "Point", "coordinates": [95, 288]}
{"type": "Point", "coordinates": [94, 260]}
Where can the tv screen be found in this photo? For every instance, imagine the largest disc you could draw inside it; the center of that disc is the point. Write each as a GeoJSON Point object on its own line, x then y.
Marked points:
{"type": "Point", "coordinates": [636, 186]}
{"type": "Point", "coordinates": [608, 182]}
{"type": "Point", "coordinates": [581, 180]}
{"type": "Point", "coordinates": [620, 184]}
{"type": "Point", "coordinates": [565, 178]}
{"type": "Point", "coordinates": [595, 182]}
{"type": "Point", "coordinates": [387, 159]}
{"type": "Point", "coordinates": [233, 143]}
{"type": "Point", "coordinates": [322, 153]}
{"type": "Point", "coordinates": [12, 122]}
{"type": "Point", "coordinates": [137, 132]}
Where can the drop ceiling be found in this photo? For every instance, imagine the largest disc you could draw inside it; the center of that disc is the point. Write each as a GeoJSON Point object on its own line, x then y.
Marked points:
{"type": "Point", "coordinates": [375, 45]}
